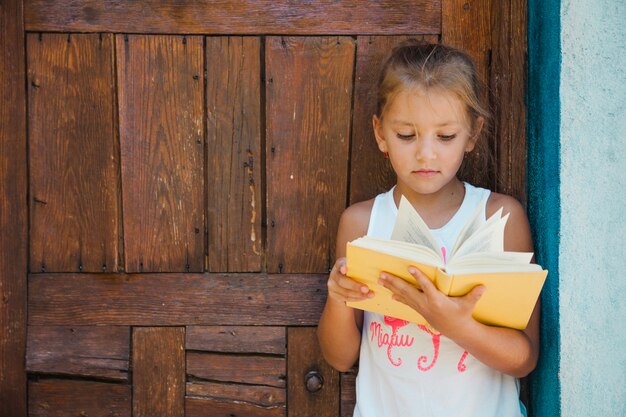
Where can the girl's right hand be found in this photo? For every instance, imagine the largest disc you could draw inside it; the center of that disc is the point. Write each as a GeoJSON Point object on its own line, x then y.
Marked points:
{"type": "Point", "coordinates": [341, 288]}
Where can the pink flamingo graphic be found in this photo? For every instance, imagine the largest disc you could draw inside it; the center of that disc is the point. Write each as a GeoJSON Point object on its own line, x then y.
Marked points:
{"type": "Point", "coordinates": [395, 325]}
{"type": "Point", "coordinates": [436, 339]}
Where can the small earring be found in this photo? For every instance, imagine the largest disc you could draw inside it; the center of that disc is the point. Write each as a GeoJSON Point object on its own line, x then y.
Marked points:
{"type": "Point", "coordinates": [386, 154]}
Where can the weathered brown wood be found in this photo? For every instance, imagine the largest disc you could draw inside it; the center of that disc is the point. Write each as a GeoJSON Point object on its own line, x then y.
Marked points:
{"type": "Point", "coordinates": [304, 358]}
{"type": "Point", "coordinates": [158, 371]}
{"type": "Point", "coordinates": [466, 24]}
{"type": "Point", "coordinates": [13, 211]}
{"type": "Point", "coordinates": [242, 339]}
{"type": "Point", "coordinates": [258, 395]}
{"type": "Point", "coordinates": [89, 351]}
{"type": "Point", "coordinates": [507, 83]}
{"type": "Point", "coordinates": [73, 153]}
{"type": "Point", "coordinates": [205, 407]}
{"type": "Point", "coordinates": [256, 370]}
{"type": "Point", "coordinates": [161, 88]}
{"type": "Point", "coordinates": [236, 17]}
{"type": "Point", "coordinates": [348, 393]}
{"type": "Point", "coordinates": [309, 91]}
{"type": "Point", "coordinates": [234, 154]}
{"type": "Point", "coordinates": [370, 172]}
{"type": "Point", "coordinates": [175, 299]}
{"type": "Point", "coordinates": [62, 398]}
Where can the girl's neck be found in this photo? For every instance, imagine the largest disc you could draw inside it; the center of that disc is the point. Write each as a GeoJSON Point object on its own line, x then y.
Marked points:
{"type": "Point", "coordinates": [436, 208]}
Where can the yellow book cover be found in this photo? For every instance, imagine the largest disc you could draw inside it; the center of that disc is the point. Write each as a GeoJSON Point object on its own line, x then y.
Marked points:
{"type": "Point", "coordinates": [513, 283]}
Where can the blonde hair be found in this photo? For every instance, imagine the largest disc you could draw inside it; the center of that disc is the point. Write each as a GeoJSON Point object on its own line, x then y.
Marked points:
{"type": "Point", "coordinates": [417, 64]}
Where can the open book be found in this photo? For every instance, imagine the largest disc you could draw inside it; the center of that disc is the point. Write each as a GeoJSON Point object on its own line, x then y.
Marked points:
{"type": "Point", "coordinates": [478, 258]}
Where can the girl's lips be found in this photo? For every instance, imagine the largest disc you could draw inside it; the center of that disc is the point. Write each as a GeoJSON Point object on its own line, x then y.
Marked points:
{"type": "Point", "coordinates": [426, 172]}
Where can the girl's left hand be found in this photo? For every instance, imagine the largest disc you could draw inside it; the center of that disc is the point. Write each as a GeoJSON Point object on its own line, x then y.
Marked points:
{"type": "Point", "coordinates": [448, 315]}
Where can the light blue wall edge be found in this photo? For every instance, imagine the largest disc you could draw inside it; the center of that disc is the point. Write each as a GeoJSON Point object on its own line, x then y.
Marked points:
{"type": "Point", "coordinates": [543, 186]}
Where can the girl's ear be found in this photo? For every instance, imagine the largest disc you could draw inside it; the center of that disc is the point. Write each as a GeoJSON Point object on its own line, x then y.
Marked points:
{"type": "Point", "coordinates": [478, 127]}
{"type": "Point", "coordinates": [380, 138]}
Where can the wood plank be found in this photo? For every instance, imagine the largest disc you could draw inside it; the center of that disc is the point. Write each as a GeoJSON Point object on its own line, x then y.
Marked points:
{"type": "Point", "coordinates": [161, 88]}
{"type": "Point", "coordinates": [507, 83]}
{"type": "Point", "coordinates": [205, 407]}
{"type": "Point", "coordinates": [348, 393]}
{"type": "Point", "coordinates": [61, 398]}
{"type": "Point", "coordinates": [176, 299]}
{"type": "Point", "coordinates": [309, 92]}
{"type": "Point", "coordinates": [370, 172]}
{"type": "Point", "coordinates": [235, 186]}
{"type": "Point", "coordinates": [158, 371]}
{"type": "Point", "coordinates": [73, 153]}
{"type": "Point", "coordinates": [236, 17]}
{"type": "Point", "coordinates": [466, 24]}
{"type": "Point", "coordinates": [258, 395]}
{"type": "Point", "coordinates": [249, 369]}
{"type": "Point", "coordinates": [13, 211]}
{"type": "Point", "coordinates": [304, 357]}
{"type": "Point", "coordinates": [86, 351]}
{"type": "Point", "coordinates": [242, 339]}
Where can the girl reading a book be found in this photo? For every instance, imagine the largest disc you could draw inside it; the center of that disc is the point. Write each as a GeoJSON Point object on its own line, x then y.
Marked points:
{"type": "Point", "coordinates": [429, 116]}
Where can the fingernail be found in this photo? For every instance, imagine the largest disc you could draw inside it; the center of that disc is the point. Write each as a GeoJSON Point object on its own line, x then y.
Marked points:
{"type": "Point", "coordinates": [412, 270]}
{"type": "Point", "coordinates": [365, 290]}
{"type": "Point", "coordinates": [383, 276]}
{"type": "Point", "coordinates": [370, 295]}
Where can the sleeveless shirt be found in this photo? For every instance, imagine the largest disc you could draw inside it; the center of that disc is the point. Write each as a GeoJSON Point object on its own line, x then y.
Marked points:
{"type": "Point", "coordinates": [410, 370]}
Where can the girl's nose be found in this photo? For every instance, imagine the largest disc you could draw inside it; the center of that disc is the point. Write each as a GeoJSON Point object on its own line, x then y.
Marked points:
{"type": "Point", "coordinates": [425, 148]}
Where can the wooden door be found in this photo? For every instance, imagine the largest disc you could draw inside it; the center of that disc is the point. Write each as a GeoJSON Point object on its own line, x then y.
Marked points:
{"type": "Point", "coordinates": [172, 178]}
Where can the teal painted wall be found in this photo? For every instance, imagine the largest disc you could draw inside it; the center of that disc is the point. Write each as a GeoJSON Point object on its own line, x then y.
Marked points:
{"type": "Point", "coordinates": [544, 206]}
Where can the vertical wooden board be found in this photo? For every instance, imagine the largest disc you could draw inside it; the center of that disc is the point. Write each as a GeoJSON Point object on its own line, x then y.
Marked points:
{"type": "Point", "coordinates": [507, 83]}
{"type": "Point", "coordinates": [241, 339]}
{"type": "Point", "coordinates": [160, 83]}
{"type": "Point", "coordinates": [73, 153]}
{"type": "Point", "coordinates": [158, 371]}
{"type": "Point", "coordinates": [348, 393]}
{"type": "Point", "coordinates": [370, 172]}
{"type": "Point", "coordinates": [309, 91]}
{"type": "Point", "coordinates": [13, 211]}
{"type": "Point", "coordinates": [62, 398]}
{"type": "Point", "coordinates": [85, 351]}
{"type": "Point", "coordinates": [234, 186]}
{"type": "Point", "coordinates": [466, 24]}
{"type": "Point", "coordinates": [312, 385]}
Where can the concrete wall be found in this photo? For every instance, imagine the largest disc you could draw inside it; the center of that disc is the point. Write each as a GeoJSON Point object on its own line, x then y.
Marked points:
{"type": "Point", "coordinates": [592, 255]}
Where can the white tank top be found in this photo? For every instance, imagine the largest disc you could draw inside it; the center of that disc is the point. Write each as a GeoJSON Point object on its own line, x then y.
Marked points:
{"type": "Point", "coordinates": [409, 370]}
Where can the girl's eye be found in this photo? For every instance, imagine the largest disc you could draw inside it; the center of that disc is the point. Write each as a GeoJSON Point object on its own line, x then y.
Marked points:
{"type": "Point", "coordinates": [405, 137]}
{"type": "Point", "coordinates": [446, 137]}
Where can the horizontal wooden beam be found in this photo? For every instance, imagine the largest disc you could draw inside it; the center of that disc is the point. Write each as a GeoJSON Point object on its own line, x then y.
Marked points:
{"type": "Point", "coordinates": [385, 17]}
{"type": "Point", "coordinates": [176, 299]}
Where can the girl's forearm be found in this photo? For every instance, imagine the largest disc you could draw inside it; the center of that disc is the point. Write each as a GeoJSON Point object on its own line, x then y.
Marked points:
{"type": "Point", "coordinates": [339, 335]}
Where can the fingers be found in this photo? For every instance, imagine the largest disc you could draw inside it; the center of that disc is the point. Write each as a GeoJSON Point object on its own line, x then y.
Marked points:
{"type": "Point", "coordinates": [342, 288]}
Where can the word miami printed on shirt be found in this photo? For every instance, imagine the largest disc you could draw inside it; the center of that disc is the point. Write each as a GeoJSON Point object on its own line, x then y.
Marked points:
{"type": "Point", "coordinates": [379, 332]}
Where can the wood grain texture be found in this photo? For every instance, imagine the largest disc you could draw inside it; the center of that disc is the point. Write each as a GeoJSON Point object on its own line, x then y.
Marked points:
{"type": "Point", "coordinates": [73, 153]}
{"type": "Point", "coordinates": [309, 92]}
{"type": "Point", "coordinates": [241, 339]}
{"type": "Point", "coordinates": [62, 398]}
{"type": "Point", "coordinates": [158, 371]}
{"type": "Point", "coordinates": [507, 88]}
{"type": "Point", "coordinates": [348, 392]}
{"type": "Point", "coordinates": [85, 351]}
{"type": "Point", "coordinates": [236, 17]}
{"type": "Point", "coordinates": [240, 369]}
{"type": "Point", "coordinates": [235, 184]}
{"type": "Point", "coordinates": [206, 407]}
{"type": "Point", "coordinates": [161, 87]}
{"type": "Point", "coordinates": [176, 299]}
{"type": "Point", "coordinates": [304, 356]}
{"type": "Point", "coordinates": [255, 395]}
{"type": "Point", "coordinates": [370, 172]}
{"type": "Point", "coordinates": [466, 24]}
{"type": "Point", "coordinates": [13, 211]}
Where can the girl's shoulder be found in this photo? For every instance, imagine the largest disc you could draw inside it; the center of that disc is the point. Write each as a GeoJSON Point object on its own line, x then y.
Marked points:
{"type": "Point", "coordinates": [508, 204]}
{"type": "Point", "coordinates": [355, 219]}
{"type": "Point", "coordinates": [517, 235]}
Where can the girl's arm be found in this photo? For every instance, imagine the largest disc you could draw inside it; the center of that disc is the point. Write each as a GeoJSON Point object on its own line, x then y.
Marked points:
{"type": "Point", "coordinates": [511, 351]}
{"type": "Point", "coordinates": [339, 329]}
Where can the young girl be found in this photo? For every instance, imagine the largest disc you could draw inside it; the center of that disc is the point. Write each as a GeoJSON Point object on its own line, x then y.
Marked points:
{"type": "Point", "coordinates": [429, 116]}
